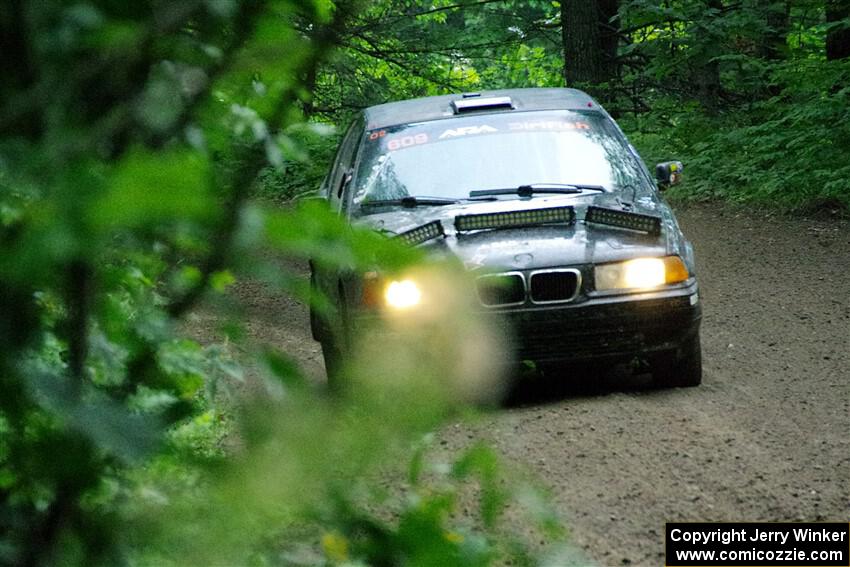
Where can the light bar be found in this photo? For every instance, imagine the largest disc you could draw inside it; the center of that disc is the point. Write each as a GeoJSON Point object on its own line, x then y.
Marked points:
{"type": "Point", "coordinates": [622, 219]}
{"type": "Point", "coordinates": [424, 233]}
{"type": "Point", "coordinates": [514, 219]}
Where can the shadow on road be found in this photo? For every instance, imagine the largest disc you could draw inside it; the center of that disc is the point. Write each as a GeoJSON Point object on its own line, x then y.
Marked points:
{"type": "Point", "coordinates": [551, 385]}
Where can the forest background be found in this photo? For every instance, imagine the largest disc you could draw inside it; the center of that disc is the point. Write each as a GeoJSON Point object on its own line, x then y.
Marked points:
{"type": "Point", "coordinates": [145, 148]}
{"type": "Point", "coordinates": [751, 95]}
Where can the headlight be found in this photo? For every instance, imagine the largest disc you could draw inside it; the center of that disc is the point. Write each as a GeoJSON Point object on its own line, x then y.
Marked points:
{"type": "Point", "coordinates": [641, 273]}
{"type": "Point", "coordinates": [402, 294]}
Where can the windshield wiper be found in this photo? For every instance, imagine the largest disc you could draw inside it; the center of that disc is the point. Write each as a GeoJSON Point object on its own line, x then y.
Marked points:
{"type": "Point", "coordinates": [411, 202]}
{"type": "Point", "coordinates": [539, 188]}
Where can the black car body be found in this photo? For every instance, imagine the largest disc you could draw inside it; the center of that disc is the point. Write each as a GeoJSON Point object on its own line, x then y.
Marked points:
{"type": "Point", "coordinates": [541, 196]}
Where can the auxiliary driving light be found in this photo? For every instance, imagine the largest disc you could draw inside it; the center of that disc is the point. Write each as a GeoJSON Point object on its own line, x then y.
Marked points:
{"type": "Point", "coordinates": [422, 233]}
{"type": "Point", "coordinates": [402, 294]}
{"type": "Point", "coordinates": [515, 219]}
{"type": "Point", "coordinates": [623, 219]}
{"type": "Point", "coordinates": [640, 273]}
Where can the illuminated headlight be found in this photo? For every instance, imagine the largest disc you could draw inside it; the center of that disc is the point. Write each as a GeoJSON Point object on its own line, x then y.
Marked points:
{"type": "Point", "coordinates": [641, 273]}
{"type": "Point", "coordinates": [402, 294]}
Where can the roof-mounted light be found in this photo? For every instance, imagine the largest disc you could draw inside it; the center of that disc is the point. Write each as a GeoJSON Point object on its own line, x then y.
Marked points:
{"type": "Point", "coordinates": [470, 103]}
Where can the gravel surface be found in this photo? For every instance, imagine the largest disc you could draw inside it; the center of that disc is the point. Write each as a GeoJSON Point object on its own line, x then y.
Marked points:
{"type": "Point", "coordinates": [765, 438]}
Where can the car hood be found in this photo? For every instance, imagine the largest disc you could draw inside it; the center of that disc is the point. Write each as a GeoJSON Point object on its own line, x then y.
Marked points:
{"type": "Point", "coordinates": [539, 246]}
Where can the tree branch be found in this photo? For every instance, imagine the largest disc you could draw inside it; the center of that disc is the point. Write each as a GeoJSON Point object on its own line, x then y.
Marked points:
{"type": "Point", "coordinates": [251, 163]}
{"type": "Point", "coordinates": [383, 20]}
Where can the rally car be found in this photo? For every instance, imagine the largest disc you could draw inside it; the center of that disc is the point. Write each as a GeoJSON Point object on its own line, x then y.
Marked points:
{"type": "Point", "coordinates": [549, 207]}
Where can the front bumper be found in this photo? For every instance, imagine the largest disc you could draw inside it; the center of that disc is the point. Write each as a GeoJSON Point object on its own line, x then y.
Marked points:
{"type": "Point", "coordinates": [610, 327]}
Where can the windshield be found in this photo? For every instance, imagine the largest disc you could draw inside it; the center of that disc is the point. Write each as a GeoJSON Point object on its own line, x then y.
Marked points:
{"type": "Point", "coordinates": [450, 158]}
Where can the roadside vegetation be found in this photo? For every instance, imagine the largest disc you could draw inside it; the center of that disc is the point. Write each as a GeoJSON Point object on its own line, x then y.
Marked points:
{"type": "Point", "coordinates": [134, 138]}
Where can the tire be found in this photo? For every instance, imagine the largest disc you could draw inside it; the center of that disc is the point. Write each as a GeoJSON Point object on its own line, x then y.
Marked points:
{"type": "Point", "coordinates": [335, 346]}
{"type": "Point", "coordinates": [681, 368]}
{"type": "Point", "coordinates": [317, 326]}
{"type": "Point", "coordinates": [333, 365]}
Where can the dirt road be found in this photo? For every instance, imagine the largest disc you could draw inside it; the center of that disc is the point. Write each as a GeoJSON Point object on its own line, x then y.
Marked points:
{"type": "Point", "coordinates": [766, 437]}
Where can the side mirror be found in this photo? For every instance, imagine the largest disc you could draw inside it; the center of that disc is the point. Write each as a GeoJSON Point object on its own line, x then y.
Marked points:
{"type": "Point", "coordinates": [668, 173]}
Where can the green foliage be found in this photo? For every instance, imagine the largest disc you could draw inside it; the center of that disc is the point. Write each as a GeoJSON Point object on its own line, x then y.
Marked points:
{"type": "Point", "coordinates": [313, 484]}
{"type": "Point", "coordinates": [769, 128]}
{"type": "Point", "coordinates": [396, 50]}
{"type": "Point", "coordinates": [306, 151]}
{"type": "Point", "coordinates": [131, 139]}
{"type": "Point", "coordinates": [789, 156]}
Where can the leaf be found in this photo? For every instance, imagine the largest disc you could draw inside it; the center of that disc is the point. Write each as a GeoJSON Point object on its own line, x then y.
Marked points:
{"type": "Point", "coordinates": [417, 461]}
{"type": "Point", "coordinates": [221, 280]}
{"type": "Point", "coordinates": [285, 369]}
{"type": "Point", "coordinates": [110, 425]}
{"type": "Point", "coordinates": [482, 461]}
{"type": "Point", "coordinates": [149, 188]}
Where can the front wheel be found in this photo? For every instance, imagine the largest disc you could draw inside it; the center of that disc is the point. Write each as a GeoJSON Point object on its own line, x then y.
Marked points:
{"type": "Point", "coordinates": [681, 368]}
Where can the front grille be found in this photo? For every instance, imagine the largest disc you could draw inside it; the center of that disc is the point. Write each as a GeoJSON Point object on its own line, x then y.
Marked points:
{"type": "Point", "coordinates": [496, 290]}
{"type": "Point", "coordinates": [575, 346]}
{"type": "Point", "coordinates": [576, 333]}
{"type": "Point", "coordinates": [554, 286]}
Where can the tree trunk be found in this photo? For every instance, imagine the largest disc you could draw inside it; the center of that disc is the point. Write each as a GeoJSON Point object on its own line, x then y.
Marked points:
{"type": "Point", "coordinates": [774, 42]}
{"type": "Point", "coordinates": [16, 68]}
{"type": "Point", "coordinates": [590, 45]}
{"type": "Point", "coordinates": [838, 40]}
{"type": "Point", "coordinates": [706, 70]}
{"type": "Point", "coordinates": [609, 36]}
